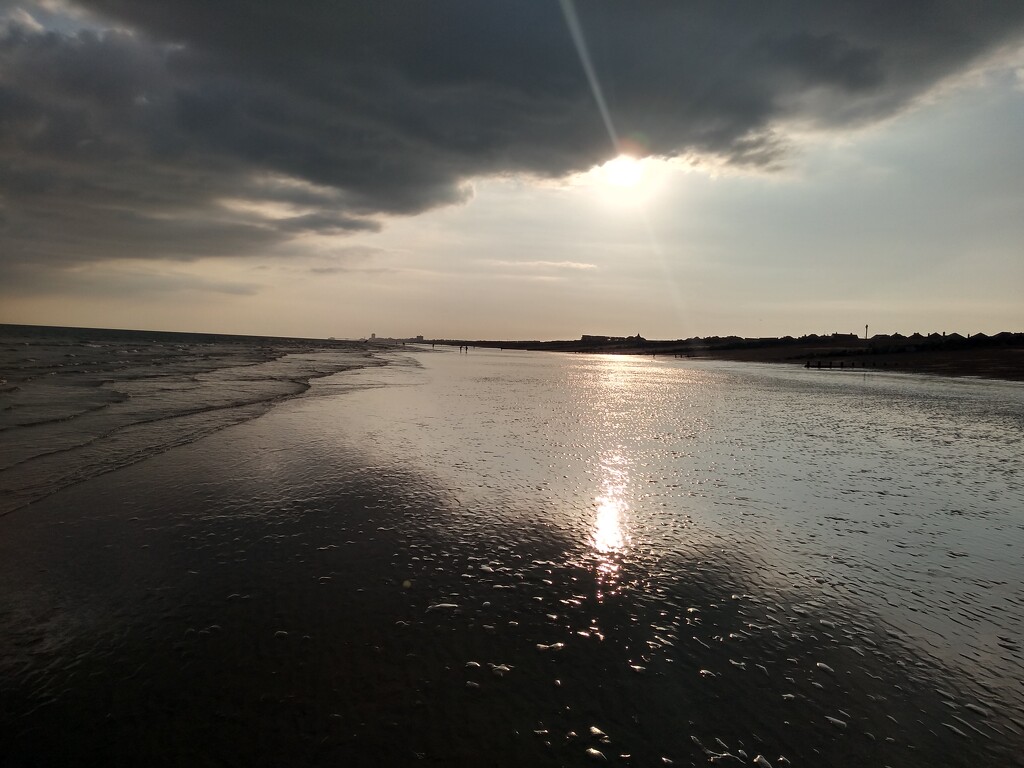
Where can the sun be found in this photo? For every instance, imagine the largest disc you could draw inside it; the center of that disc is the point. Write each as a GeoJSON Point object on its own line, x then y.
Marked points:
{"type": "Point", "coordinates": [623, 171]}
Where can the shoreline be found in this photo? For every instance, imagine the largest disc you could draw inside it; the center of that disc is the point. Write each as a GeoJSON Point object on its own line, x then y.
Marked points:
{"type": "Point", "coordinates": [78, 404]}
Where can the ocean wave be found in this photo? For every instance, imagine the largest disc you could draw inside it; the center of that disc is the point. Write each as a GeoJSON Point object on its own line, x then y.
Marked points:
{"type": "Point", "coordinates": [120, 401]}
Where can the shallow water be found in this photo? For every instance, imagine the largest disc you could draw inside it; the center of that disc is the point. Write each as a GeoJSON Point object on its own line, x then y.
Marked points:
{"type": "Point", "coordinates": [511, 559]}
{"type": "Point", "coordinates": [78, 402]}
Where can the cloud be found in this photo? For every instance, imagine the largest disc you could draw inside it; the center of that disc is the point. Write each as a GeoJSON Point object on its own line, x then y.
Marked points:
{"type": "Point", "coordinates": [19, 20]}
{"type": "Point", "coordinates": [115, 279]}
{"type": "Point", "coordinates": [572, 265]}
{"type": "Point", "coordinates": [347, 260]}
{"type": "Point", "coordinates": [325, 223]}
{"type": "Point", "coordinates": [123, 123]}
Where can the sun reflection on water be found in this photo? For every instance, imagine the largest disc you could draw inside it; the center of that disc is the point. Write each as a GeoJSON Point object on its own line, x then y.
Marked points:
{"type": "Point", "coordinates": [609, 537]}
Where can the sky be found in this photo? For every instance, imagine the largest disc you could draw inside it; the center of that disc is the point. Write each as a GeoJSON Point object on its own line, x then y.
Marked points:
{"type": "Point", "coordinates": [538, 169]}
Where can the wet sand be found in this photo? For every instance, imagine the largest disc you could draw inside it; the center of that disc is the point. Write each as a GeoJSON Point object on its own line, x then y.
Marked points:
{"type": "Point", "coordinates": [273, 594]}
{"type": "Point", "coordinates": [180, 632]}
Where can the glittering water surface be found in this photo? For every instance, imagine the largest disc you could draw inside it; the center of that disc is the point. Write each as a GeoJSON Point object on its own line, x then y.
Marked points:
{"type": "Point", "coordinates": [504, 558]}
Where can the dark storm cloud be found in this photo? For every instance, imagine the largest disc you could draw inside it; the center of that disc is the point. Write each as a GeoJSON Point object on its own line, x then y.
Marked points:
{"type": "Point", "coordinates": [126, 138]}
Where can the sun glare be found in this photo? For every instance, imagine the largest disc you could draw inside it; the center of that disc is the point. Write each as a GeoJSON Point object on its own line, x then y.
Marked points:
{"type": "Point", "coordinates": [623, 171]}
{"type": "Point", "coordinates": [625, 182]}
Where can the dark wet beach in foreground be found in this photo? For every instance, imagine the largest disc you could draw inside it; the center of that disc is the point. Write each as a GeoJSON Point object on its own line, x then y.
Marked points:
{"type": "Point", "coordinates": [537, 560]}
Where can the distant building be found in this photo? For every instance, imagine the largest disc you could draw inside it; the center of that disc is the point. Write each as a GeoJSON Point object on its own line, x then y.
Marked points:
{"type": "Point", "coordinates": [590, 339]}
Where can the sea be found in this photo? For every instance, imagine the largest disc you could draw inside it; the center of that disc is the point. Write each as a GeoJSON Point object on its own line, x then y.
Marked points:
{"type": "Point", "coordinates": [252, 551]}
{"type": "Point", "coordinates": [78, 402]}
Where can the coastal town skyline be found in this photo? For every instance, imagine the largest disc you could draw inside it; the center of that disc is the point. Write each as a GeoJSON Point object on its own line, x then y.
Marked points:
{"type": "Point", "coordinates": [537, 173]}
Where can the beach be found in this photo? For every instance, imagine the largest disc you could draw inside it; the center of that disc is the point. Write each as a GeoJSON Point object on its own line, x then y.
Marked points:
{"type": "Point", "coordinates": [534, 559]}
